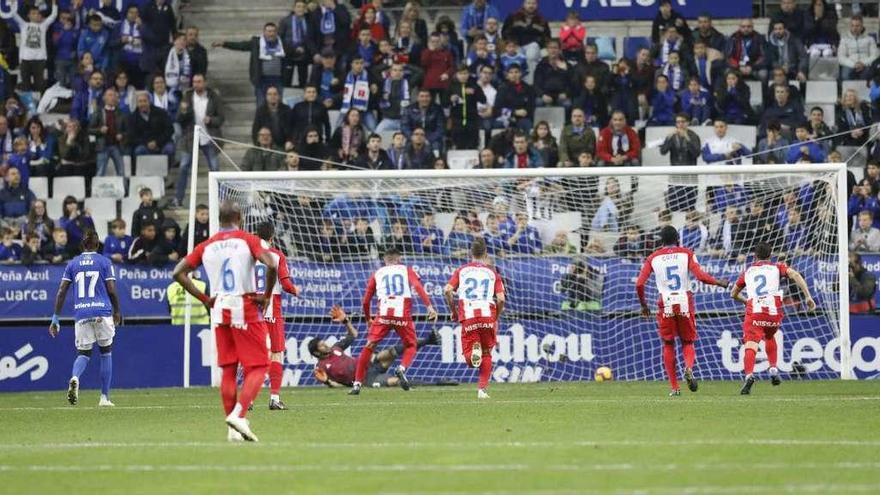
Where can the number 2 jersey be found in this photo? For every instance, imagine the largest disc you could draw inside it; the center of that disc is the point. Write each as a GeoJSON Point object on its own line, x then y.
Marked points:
{"type": "Point", "coordinates": [672, 267]}
{"type": "Point", "coordinates": [89, 273]}
{"type": "Point", "coordinates": [763, 284]}
{"type": "Point", "coordinates": [393, 286]}
{"type": "Point", "coordinates": [476, 285]}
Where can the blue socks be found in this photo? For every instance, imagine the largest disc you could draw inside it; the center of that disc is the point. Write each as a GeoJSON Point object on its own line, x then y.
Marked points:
{"type": "Point", "coordinates": [106, 373]}
{"type": "Point", "coordinates": [79, 365]}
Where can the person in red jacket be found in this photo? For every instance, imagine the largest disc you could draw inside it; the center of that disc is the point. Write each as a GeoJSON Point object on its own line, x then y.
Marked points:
{"type": "Point", "coordinates": [438, 66]}
{"type": "Point", "coordinates": [369, 20]}
{"type": "Point", "coordinates": [619, 144]}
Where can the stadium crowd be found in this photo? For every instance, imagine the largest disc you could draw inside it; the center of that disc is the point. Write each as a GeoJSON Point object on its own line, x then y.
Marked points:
{"type": "Point", "coordinates": [387, 91]}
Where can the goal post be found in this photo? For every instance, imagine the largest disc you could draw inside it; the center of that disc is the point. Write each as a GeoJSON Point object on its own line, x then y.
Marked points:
{"type": "Point", "coordinates": [580, 236]}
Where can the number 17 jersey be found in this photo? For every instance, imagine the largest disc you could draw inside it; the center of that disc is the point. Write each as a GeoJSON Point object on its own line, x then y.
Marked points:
{"type": "Point", "coordinates": [88, 273]}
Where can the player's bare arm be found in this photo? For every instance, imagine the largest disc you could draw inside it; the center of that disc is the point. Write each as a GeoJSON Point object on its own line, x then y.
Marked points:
{"type": "Point", "coordinates": [181, 276]}
{"type": "Point", "coordinates": [499, 304]}
{"type": "Point", "coordinates": [798, 279]}
{"type": "Point", "coordinates": [338, 315]}
{"type": "Point", "coordinates": [432, 314]}
{"type": "Point", "coordinates": [448, 292]}
{"type": "Point", "coordinates": [55, 326]}
{"type": "Point", "coordinates": [736, 294]}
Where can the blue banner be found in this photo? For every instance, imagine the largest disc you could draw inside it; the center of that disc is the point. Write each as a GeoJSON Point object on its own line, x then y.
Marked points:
{"type": "Point", "coordinates": [569, 348]}
{"type": "Point", "coordinates": [607, 10]}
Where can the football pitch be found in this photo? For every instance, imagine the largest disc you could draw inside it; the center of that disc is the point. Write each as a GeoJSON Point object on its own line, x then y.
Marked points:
{"type": "Point", "coordinates": [547, 438]}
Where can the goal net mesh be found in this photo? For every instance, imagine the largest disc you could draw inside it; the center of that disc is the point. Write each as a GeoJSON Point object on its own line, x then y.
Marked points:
{"type": "Point", "coordinates": [568, 249]}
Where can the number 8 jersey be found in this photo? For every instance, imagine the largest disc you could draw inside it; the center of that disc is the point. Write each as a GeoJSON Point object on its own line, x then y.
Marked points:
{"type": "Point", "coordinates": [394, 285]}
{"type": "Point", "coordinates": [476, 286]}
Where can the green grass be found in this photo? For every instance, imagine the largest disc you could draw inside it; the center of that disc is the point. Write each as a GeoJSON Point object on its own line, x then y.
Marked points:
{"type": "Point", "coordinates": [803, 437]}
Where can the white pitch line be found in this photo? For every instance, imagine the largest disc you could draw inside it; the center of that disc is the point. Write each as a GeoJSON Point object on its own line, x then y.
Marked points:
{"type": "Point", "coordinates": [686, 490]}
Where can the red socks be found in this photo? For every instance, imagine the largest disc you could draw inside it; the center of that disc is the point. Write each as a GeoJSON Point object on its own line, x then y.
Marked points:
{"type": "Point", "coordinates": [363, 362]}
{"type": "Point", "coordinates": [253, 382]}
{"type": "Point", "coordinates": [669, 362]}
{"type": "Point", "coordinates": [749, 362]}
{"type": "Point", "coordinates": [228, 390]}
{"type": "Point", "coordinates": [690, 355]}
{"type": "Point", "coordinates": [276, 370]}
{"type": "Point", "coordinates": [408, 356]}
{"type": "Point", "coordinates": [485, 370]}
{"type": "Point", "coordinates": [770, 347]}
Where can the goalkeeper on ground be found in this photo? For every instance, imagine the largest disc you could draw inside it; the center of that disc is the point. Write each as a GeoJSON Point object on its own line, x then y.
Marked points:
{"type": "Point", "coordinates": [335, 368]}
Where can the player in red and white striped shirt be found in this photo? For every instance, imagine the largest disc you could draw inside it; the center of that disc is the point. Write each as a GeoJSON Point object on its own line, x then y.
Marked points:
{"type": "Point", "coordinates": [672, 266]}
{"type": "Point", "coordinates": [272, 313]}
{"type": "Point", "coordinates": [764, 314]}
{"type": "Point", "coordinates": [229, 257]}
{"type": "Point", "coordinates": [393, 285]}
{"type": "Point", "coordinates": [480, 300]}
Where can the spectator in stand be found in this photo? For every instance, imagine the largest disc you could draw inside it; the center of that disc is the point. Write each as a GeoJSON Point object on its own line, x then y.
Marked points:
{"type": "Point", "coordinates": [15, 200]}
{"type": "Point", "coordinates": [516, 100]}
{"type": "Point", "coordinates": [614, 209]}
{"type": "Point", "coordinates": [274, 115]}
{"type": "Point", "coordinates": [664, 103]}
{"type": "Point", "coordinates": [862, 286]}
{"type": "Point", "coordinates": [312, 150]}
{"type": "Point", "coordinates": [32, 54]}
{"type": "Point", "coordinates": [10, 251]}
{"type": "Point", "coordinates": [429, 117]}
{"type": "Point", "coordinates": [572, 37]}
{"type": "Point", "coordinates": [41, 149]}
{"type": "Point", "coordinates": [160, 97]}
{"type": "Point", "coordinates": [418, 155]}
{"type": "Point", "coordinates": [782, 109]}
{"type": "Point", "coordinates": [65, 38]}
{"type": "Point", "coordinates": [266, 59]}
{"type": "Point", "coordinates": [202, 230]}
{"type": "Point", "coordinates": [795, 234]}
{"type": "Point", "coordinates": [198, 54]}
{"type": "Point", "coordinates": [576, 137]}
{"type": "Point", "coordinates": [20, 159]}
{"type": "Point", "coordinates": [128, 41]}
{"type": "Point", "coordinates": [818, 129]}
{"type": "Point", "coordinates": [642, 74]}
{"type": "Point", "coordinates": [592, 66]}
{"type": "Point", "coordinates": [75, 221]}
{"type": "Point", "coordinates": [329, 79]}
{"type": "Point", "coordinates": [167, 248]}
{"type": "Point", "coordinates": [159, 24]}
{"type": "Point", "coordinates": [672, 42]}
{"type": "Point", "coordinates": [117, 244]}
{"type": "Point", "coordinates": [399, 238]}
{"type": "Point", "coordinates": [863, 199]}
{"type": "Point", "coordinates": [730, 237]}
{"type": "Point", "coordinates": [523, 155]}
{"type": "Point", "coordinates": [87, 101]}
{"type": "Point", "coordinates": [625, 96]}
{"type": "Point", "coordinates": [872, 176]}
{"type": "Point", "coordinates": [545, 143]}
{"type": "Point", "coordinates": [667, 18]}
{"type": "Point", "coordinates": [746, 51]}
{"type": "Point", "coordinates": [32, 251]}
{"type": "Point", "coordinates": [705, 66]}
{"type": "Point", "coordinates": [618, 144]}
{"type": "Point", "coordinates": [200, 106]}
{"type": "Point", "coordinates": [820, 30]}
{"type": "Point", "coordinates": [529, 29]}
{"type": "Point", "coordinates": [427, 237]}
{"type": "Point", "coordinates": [785, 51]}
{"type": "Point", "coordinates": [95, 39]}
{"type": "Point", "coordinates": [16, 112]}
{"type": "Point", "coordinates": [382, 15]}
{"type": "Point", "coordinates": [375, 158]}
{"type": "Point", "coordinates": [513, 55]}
{"type": "Point", "coordinates": [464, 97]}
{"type": "Point", "coordinates": [438, 64]}
{"type": "Point", "coordinates": [791, 16]}
{"type": "Point", "coordinates": [126, 93]}
{"type": "Point", "coordinates": [773, 148]}
{"type": "Point", "coordinates": [560, 245]}
{"type": "Point", "coordinates": [631, 244]}
{"type": "Point", "coordinates": [109, 127]}
{"type": "Point", "coordinates": [479, 56]}
{"type": "Point", "coordinates": [778, 78]}
{"type": "Point", "coordinates": [803, 149]}
{"type": "Point", "coordinates": [395, 99]}
{"type": "Point", "coordinates": [367, 49]}
{"type": "Point", "coordinates": [38, 222]}
{"type": "Point", "coordinates": [593, 103]}
{"type": "Point", "coordinates": [309, 113]}
{"type": "Point", "coordinates": [865, 237]}
{"type": "Point", "coordinates": [553, 78]}
{"type": "Point", "coordinates": [520, 237]}
{"type": "Point", "coordinates": [178, 66]}
{"type": "Point", "coordinates": [350, 139]}
{"type": "Point", "coordinates": [582, 288]}
{"type": "Point", "coordinates": [760, 225]}
{"type": "Point", "coordinates": [7, 136]}
{"type": "Point", "coordinates": [696, 103]}
{"type": "Point", "coordinates": [856, 52]}
{"type": "Point", "coordinates": [707, 34]}
{"type": "Point", "coordinates": [722, 148]}
{"type": "Point", "coordinates": [397, 151]}
{"type": "Point", "coordinates": [412, 16]}
{"type": "Point", "coordinates": [331, 27]}
{"type": "Point", "coordinates": [265, 157]}
{"type": "Point", "coordinates": [74, 151]}
{"type": "Point", "coordinates": [731, 194]}
{"type": "Point", "coordinates": [408, 51]}
{"type": "Point", "coordinates": [852, 116]}
{"type": "Point", "coordinates": [460, 238]}
{"type": "Point", "coordinates": [683, 148]}
{"type": "Point", "coordinates": [360, 93]}
{"type": "Point", "coordinates": [694, 235]}
{"type": "Point", "coordinates": [144, 245]}
{"type": "Point", "coordinates": [675, 73]}
{"type": "Point", "coordinates": [299, 43]}
{"type": "Point", "coordinates": [487, 110]}
{"type": "Point", "coordinates": [150, 130]}
{"type": "Point", "coordinates": [474, 17]}
{"type": "Point", "coordinates": [449, 39]}
{"type": "Point", "coordinates": [148, 211]}
{"type": "Point", "coordinates": [59, 249]}
{"type": "Point", "coordinates": [368, 21]}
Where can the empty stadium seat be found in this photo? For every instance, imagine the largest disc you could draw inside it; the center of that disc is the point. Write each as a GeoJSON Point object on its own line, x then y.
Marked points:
{"type": "Point", "coordinates": [444, 222]}
{"type": "Point", "coordinates": [607, 47]}
{"type": "Point", "coordinates": [103, 211]}
{"type": "Point", "coordinates": [821, 92]}
{"type": "Point", "coordinates": [69, 186]}
{"type": "Point", "coordinates": [756, 98]}
{"type": "Point", "coordinates": [126, 165]}
{"type": "Point", "coordinates": [127, 208]}
{"type": "Point", "coordinates": [555, 116]}
{"type": "Point", "coordinates": [39, 186]}
{"type": "Point", "coordinates": [156, 184]}
{"type": "Point", "coordinates": [632, 45]}
{"type": "Point", "coordinates": [567, 220]}
{"type": "Point", "coordinates": [861, 88]}
{"type": "Point", "coordinates": [108, 187]}
{"type": "Point", "coordinates": [54, 208]}
{"type": "Point", "coordinates": [148, 165]}
{"type": "Point", "coordinates": [459, 159]}
{"type": "Point", "coordinates": [386, 136]}
{"type": "Point", "coordinates": [824, 69]}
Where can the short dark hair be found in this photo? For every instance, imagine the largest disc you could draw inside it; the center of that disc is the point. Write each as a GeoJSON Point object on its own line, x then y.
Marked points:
{"type": "Point", "coordinates": [669, 236]}
{"type": "Point", "coordinates": [270, 24]}
{"type": "Point", "coordinates": [266, 230]}
{"type": "Point", "coordinates": [774, 126]}
{"type": "Point", "coordinates": [90, 240]}
{"type": "Point", "coordinates": [201, 206]}
{"type": "Point", "coordinates": [763, 251]}
{"type": "Point", "coordinates": [374, 136]}
{"type": "Point", "coordinates": [313, 347]}
{"type": "Point", "coordinates": [478, 247]}
{"type": "Point", "coordinates": [392, 251]}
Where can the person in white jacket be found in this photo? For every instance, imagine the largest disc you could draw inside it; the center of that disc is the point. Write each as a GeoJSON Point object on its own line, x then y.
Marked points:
{"type": "Point", "coordinates": [856, 51]}
{"type": "Point", "coordinates": [32, 49]}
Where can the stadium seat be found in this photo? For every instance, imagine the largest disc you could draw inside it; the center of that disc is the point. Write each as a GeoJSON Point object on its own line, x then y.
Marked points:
{"type": "Point", "coordinates": [821, 92]}
{"type": "Point", "coordinates": [567, 220]}
{"type": "Point", "coordinates": [861, 88]}
{"type": "Point", "coordinates": [69, 186]}
{"type": "Point", "coordinates": [756, 98]}
{"type": "Point", "coordinates": [54, 208]}
{"type": "Point", "coordinates": [103, 211]}
{"type": "Point", "coordinates": [386, 138]}
{"type": "Point", "coordinates": [461, 159]}
{"type": "Point", "coordinates": [555, 116]}
{"type": "Point", "coordinates": [856, 157]}
{"type": "Point", "coordinates": [156, 184]}
{"type": "Point", "coordinates": [127, 208]}
{"type": "Point", "coordinates": [147, 165]}
{"type": "Point", "coordinates": [824, 69]}
{"type": "Point", "coordinates": [126, 162]}
{"type": "Point", "coordinates": [334, 116]}
{"type": "Point", "coordinates": [858, 171]}
{"type": "Point", "coordinates": [108, 187]}
{"type": "Point", "coordinates": [444, 222]}
{"type": "Point", "coordinates": [632, 45]}
{"type": "Point", "coordinates": [607, 47]}
{"type": "Point", "coordinates": [39, 186]}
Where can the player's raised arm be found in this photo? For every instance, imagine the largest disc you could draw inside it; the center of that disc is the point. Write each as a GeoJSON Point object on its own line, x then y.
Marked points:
{"type": "Point", "coordinates": [416, 284]}
{"type": "Point", "coordinates": [706, 278]}
{"type": "Point", "coordinates": [798, 279]}
{"type": "Point", "coordinates": [338, 315]}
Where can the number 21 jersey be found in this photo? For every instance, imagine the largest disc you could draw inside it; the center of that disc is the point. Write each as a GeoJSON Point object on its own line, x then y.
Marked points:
{"type": "Point", "coordinates": [477, 285]}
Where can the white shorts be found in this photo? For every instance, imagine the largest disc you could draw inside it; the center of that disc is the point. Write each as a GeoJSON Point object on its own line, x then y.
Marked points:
{"type": "Point", "coordinates": [100, 330]}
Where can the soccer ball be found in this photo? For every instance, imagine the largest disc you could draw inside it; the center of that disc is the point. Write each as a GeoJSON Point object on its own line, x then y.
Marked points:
{"type": "Point", "coordinates": [603, 374]}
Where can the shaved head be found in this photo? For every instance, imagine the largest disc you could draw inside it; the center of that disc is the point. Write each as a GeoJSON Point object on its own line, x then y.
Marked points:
{"type": "Point", "coordinates": [230, 213]}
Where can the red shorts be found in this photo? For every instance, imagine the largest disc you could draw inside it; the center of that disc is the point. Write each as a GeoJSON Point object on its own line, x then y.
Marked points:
{"type": "Point", "coordinates": [380, 327]}
{"type": "Point", "coordinates": [242, 345]}
{"type": "Point", "coordinates": [276, 335]}
{"type": "Point", "coordinates": [759, 327]}
{"type": "Point", "coordinates": [682, 327]}
{"type": "Point", "coordinates": [477, 331]}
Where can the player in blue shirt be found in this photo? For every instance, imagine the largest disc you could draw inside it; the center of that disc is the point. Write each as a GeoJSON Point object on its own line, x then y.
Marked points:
{"type": "Point", "coordinates": [96, 308]}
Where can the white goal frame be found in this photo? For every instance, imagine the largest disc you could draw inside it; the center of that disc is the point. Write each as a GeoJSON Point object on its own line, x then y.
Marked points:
{"type": "Point", "coordinates": [214, 179]}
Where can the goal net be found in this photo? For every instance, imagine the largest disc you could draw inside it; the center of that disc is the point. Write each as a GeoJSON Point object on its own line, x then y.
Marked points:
{"type": "Point", "coordinates": [568, 244]}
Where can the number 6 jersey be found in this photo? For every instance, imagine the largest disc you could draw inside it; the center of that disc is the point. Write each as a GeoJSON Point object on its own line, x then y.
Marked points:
{"type": "Point", "coordinates": [394, 285]}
